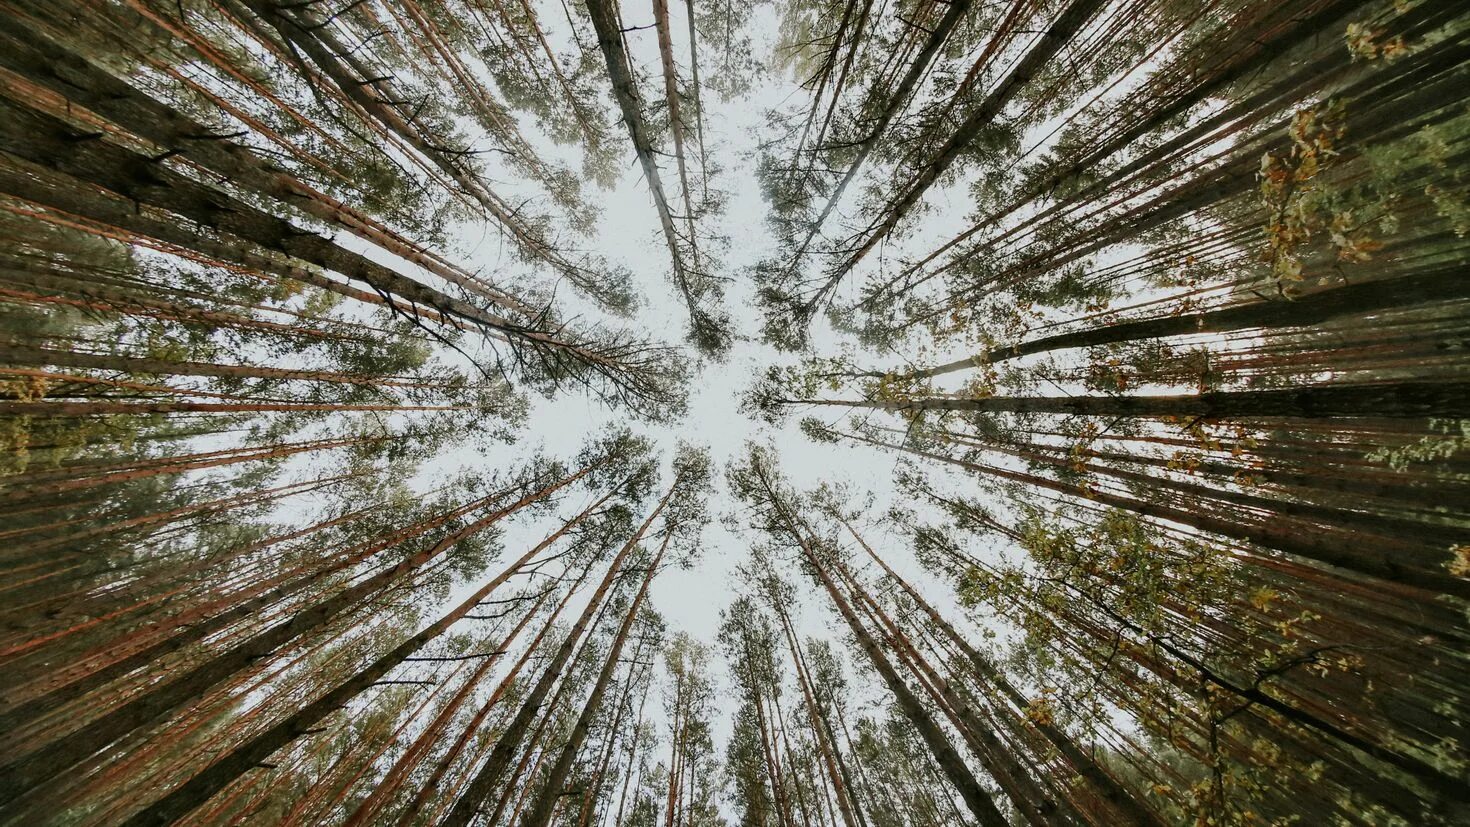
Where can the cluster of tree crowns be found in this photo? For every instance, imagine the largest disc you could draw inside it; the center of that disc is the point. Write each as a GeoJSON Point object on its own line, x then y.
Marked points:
{"type": "Point", "coordinates": [1182, 537]}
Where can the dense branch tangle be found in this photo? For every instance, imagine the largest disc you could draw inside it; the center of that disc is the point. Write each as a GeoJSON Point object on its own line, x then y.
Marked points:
{"type": "Point", "coordinates": [56, 82]}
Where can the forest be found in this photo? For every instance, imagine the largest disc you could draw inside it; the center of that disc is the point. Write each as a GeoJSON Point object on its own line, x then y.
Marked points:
{"type": "Point", "coordinates": [735, 413]}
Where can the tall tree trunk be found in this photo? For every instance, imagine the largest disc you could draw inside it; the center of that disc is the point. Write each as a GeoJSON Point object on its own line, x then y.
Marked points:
{"type": "Point", "coordinates": [1348, 301]}
{"type": "Point", "coordinates": [218, 775]}
{"type": "Point", "coordinates": [846, 804]}
{"type": "Point", "coordinates": [981, 805]}
{"type": "Point", "coordinates": [1036, 806]}
{"type": "Point", "coordinates": [1098, 778]}
{"type": "Point", "coordinates": [72, 77]}
{"type": "Point", "coordinates": [29, 772]}
{"type": "Point", "coordinates": [396, 775]}
{"type": "Point", "coordinates": [15, 353]}
{"type": "Point", "coordinates": [1068, 23]}
{"type": "Point", "coordinates": [539, 815]}
{"type": "Point", "coordinates": [625, 91]}
{"type": "Point", "coordinates": [489, 775]}
{"type": "Point", "coordinates": [49, 142]}
{"type": "Point", "coordinates": [954, 13]}
{"type": "Point", "coordinates": [1278, 534]}
{"type": "Point", "coordinates": [201, 622]}
{"type": "Point", "coordinates": [430, 788]}
{"type": "Point", "coordinates": [1412, 400]}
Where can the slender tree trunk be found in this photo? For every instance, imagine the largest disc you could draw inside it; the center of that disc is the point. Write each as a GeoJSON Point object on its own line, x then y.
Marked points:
{"type": "Point", "coordinates": [954, 13]}
{"type": "Point", "coordinates": [1288, 536]}
{"type": "Point", "coordinates": [845, 803]}
{"type": "Point", "coordinates": [430, 789]}
{"type": "Point", "coordinates": [1413, 400]}
{"type": "Point", "coordinates": [1073, 17]}
{"type": "Point", "coordinates": [1102, 783]}
{"type": "Point", "coordinates": [1348, 301]}
{"type": "Point", "coordinates": [625, 91]}
{"type": "Point", "coordinates": [394, 779]}
{"type": "Point", "coordinates": [73, 77]}
{"type": "Point", "coordinates": [539, 815]}
{"type": "Point", "coordinates": [981, 805]}
{"type": "Point", "coordinates": [219, 774]}
{"type": "Point", "coordinates": [20, 354]}
{"type": "Point", "coordinates": [31, 771]}
{"type": "Point", "coordinates": [489, 775]}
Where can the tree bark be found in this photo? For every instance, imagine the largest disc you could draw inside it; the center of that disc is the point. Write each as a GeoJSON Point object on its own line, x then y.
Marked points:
{"type": "Point", "coordinates": [1348, 301]}
{"type": "Point", "coordinates": [31, 771]}
{"type": "Point", "coordinates": [1101, 782]}
{"type": "Point", "coordinates": [1412, 400]}
{"type": "Point", "coordinates": [1277, 534]}
{"type": "Point", "coordinates": [242, 759]}
{"type": "Point", "coordinates": [539, 815]}
{"type": "Point", "coordinates": [1067, 24]}
{"type": "Point", "coordinates": [489, 775]}
{"type": "Point", "coordinates": [979, 801]}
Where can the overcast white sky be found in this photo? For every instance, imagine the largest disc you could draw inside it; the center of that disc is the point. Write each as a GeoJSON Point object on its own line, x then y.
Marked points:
{"type": "Point", "coordinates": [628, 234]}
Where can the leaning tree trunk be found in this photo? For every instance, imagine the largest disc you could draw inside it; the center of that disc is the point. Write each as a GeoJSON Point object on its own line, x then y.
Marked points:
{"type": "Point", "coordinates": [1067, 24]}
{"type": "Point", "coordinates": [218, 775]}
{"type": "Point", "coordinates": [625, 92]}
{"type": "Point", "coordinates": [1401, 400]}
{"type": "Point", "coordinates": [1348, 301]}
{"type": "Point", "coordinates": [468, 805]}
{"type": "Point", "coordinates": [29, 772]}
{"type": "Point", "coordinates": [198, 624]}
{"type": "Point", "coordinates": [979, 801]}
{"type": "Point", "coordinates": [539, 815]}
{"type": "Point", "coordinates": [1099, 780]}
{"type": "Point", "coordinates": [956, 11]}
{"type": "Point", "coordinates": [1290, 537]}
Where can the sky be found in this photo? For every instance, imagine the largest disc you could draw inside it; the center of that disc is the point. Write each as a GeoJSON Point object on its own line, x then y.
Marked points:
{"type": "Point", "coordinates": [627, 234]}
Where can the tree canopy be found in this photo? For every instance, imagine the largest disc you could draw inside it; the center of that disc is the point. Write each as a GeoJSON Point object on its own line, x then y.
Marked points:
{"type": "Point", "coordinates": [748, 412]}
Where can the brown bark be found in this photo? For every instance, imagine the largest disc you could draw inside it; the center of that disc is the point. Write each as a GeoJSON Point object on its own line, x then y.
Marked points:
{"type": "Point", "coordinates": [489, 775]}
{"type": "Point", "coordinates": [846, 804]}
{"type": "Point", "coordinates": [979, 801]}
{"type": "Point", "coordinates": [1068, 23]}
{"type": "Point", "coordinates": [1098, 778]}
{"type": "Point", "coordinates": [1348, 301]}
{"type": "Point", "coordinates": [27, 773]}
{"type": "Point", "coordinates": [430, 788]}
{"type": "Point", "coordinates": [539, 815]}
{"type": "Point", "coordinates": [1413, 400]}
{"type": "Point", "coordinates": [953, 15]}
{"type": "Point", "coordinates": [206, 783]}
{"type": "Point", "coordinates": [1287, 536]}
{"type": "Point", "coordinates": [71, 76]}
{"type": "Point", "coordinates": [625, 91]}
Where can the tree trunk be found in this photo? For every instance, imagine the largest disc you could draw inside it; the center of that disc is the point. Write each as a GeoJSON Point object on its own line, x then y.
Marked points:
{"type": "Point", "coordinates": [1101, 782]}
{"type": "Point", "coordinates": [218, 775]}
{"type": "Point", "coordinates": [484, 782]}
{"type": "Point", "coordinates": [1067, 24]}
{"type": "Point", "coordinates": [979, 801]}
{"type": "Point", "coordinates": [539, 815]}
{"type": "Point", "coordinates": [956, 11]}
{"type": "Point", "coordinates": [1411, 400]}
{"type": "Point", "coordinates": [72, 77]}
{"type": "Point", "coordinates": [625, 91]}
{"type": "Point", "coordinates": [1348, 301]}
{"type": "Point", "coordinates": [1284, 536]}
{"type": "Point", "coordinates": [31, 771]}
